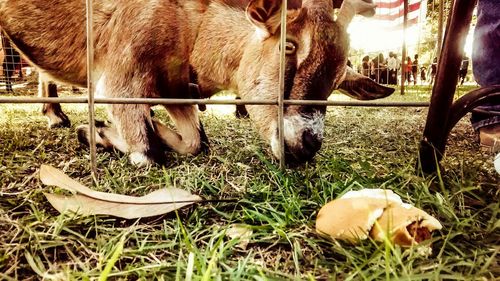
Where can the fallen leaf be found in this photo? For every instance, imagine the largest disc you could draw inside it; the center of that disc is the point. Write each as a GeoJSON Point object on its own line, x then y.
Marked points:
{"type": "Point", "coordinates": [90, 202]}
{"type": "Point", "coordinates": [52, 176]}
{"type": "Point", "coordinates": [241, 232]}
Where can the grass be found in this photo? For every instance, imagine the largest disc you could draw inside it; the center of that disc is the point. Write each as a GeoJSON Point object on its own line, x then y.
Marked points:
{"type": "Point", "coordinates": [363, 148]}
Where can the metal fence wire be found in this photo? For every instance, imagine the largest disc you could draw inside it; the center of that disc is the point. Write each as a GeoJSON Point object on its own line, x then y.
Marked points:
{"type": "Point", "coordinates": [12, 69]}
{"type": "Point", "coordinates": [13, 65]}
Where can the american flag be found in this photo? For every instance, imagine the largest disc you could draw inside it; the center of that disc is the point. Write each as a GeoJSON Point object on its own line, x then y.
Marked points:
{"type": "Point", "coordinates": [392, 11]}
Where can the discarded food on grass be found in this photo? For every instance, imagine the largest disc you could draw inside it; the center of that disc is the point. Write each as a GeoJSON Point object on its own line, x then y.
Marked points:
{"type": "Point", "coordinates": [375, 213]}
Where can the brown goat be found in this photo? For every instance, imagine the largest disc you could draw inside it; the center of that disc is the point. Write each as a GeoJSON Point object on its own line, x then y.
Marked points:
{"type": "Point", "coordinates": [145, 48]}
{"type": "Point", "coordinates": [238, 49]}
{"type": "Point", "coordinates": [148, 58]}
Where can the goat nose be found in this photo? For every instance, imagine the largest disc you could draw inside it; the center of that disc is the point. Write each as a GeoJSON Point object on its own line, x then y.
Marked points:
{"type": "Point", "coordinates": [311, 142]}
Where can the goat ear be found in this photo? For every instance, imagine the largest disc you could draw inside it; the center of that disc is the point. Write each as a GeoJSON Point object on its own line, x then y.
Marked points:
{"type": "Point", "coordinates": [265, 15]}
{"type": "Point", "coordinates": [363, 88]}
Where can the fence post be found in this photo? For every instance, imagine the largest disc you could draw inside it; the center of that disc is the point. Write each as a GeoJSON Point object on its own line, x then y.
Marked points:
{"type": "Point", "coordinates": [281, 95]}
{"type": "Point", "coordinates": [404, 63]}
{"type": "Point", "coordinates": [90, 87]}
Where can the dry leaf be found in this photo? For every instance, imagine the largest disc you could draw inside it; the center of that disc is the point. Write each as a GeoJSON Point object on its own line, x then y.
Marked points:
{"type": "Point", "coordinates": [52, 176]}
{"type": "Point", "coordinates": [87, 206]}
{"type": "Point", "coordinates": [90, 202]}
{"type": "Point", "coordinates": [241, 232]}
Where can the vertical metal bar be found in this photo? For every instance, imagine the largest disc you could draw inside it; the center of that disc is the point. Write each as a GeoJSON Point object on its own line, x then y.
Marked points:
{"type": "Point", "coordinates": [404, 63]}
{"type": "Point", "coordinates": [90, 87]}
{"type": "Point", "coordinates": [281, 95]}
{"type": "Point", "coordinates": [440, 29]}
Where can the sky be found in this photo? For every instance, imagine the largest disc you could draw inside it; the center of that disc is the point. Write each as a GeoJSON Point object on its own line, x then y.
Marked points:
{"type": "Point", "coordinates": [373, 36]}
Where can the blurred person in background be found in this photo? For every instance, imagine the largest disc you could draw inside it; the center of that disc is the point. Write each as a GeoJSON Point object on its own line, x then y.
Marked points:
{"type": "Point", "coordinates": [365, 66]}
{"type": "Point", "coordinates": [414, 69]}
{"type": "Point", "coordinates": [433, 70]}
{"type": "Point", "coordinates": [408, 70]}
{"type": "Point", "coordinates": [392, 67]}
{"type": "Point", "coordinates": [464, 68]}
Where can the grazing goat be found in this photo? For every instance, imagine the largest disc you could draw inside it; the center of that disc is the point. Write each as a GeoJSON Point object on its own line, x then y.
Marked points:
{"type": "Point", "coordinates": [144, 48]}
{"type": "Point", "coordinates": [237, 48]}
{"type": "Point", "coordinates": [144, 58]}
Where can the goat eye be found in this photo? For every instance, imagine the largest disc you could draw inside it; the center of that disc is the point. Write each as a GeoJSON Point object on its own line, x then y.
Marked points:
{"type": "Point", "coordinates": [290, 48]}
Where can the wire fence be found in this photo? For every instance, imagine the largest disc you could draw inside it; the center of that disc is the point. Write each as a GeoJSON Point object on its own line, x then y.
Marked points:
{"type": "Point", "coordinates": [385, 66]}
{"type": "Point", "coordinates": [13, 65]}
{"type": "Point", "coordinates": [13, 68]}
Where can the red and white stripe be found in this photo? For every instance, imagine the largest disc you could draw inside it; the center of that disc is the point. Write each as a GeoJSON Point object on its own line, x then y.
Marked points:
{"type": "Point", "coordinates": [393, 11]}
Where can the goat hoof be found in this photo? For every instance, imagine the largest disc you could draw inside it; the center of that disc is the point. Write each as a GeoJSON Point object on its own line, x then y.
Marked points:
{"type": "Point", "coordinates": [204, 142]}
{"type": "Point", "coordinates": [140, 159]}
{"type": "Point", "coordinates": [63, 122]}
{"type": "Point", "coordinates": [100, 124]}
{"type": "Point", "coordinates": [202, 107]}
{"type": "Point", "coordinates": [82, 133]}
{"type": "Point", "coordinates": [241, 112]}
{"type": "Point", "coordinates": [205, 147]}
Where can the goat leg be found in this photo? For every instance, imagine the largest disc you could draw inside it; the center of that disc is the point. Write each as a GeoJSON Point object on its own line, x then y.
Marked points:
{"type": "Point", "coordinates": [190, 137]}
{"type": "Point", "coordinates": [53, 111]}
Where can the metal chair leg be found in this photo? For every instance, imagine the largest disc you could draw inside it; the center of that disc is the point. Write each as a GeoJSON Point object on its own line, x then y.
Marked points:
{"type": "Point", "coordinates": [434, 139]}
{"type": "Point", "coordinates": [470, 101]}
